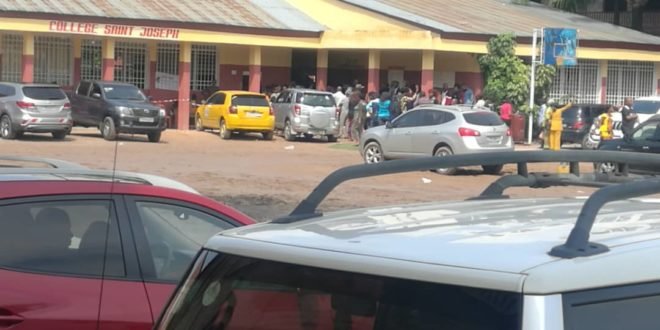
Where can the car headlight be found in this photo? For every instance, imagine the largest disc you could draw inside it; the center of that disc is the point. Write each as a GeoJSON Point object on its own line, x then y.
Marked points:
{"type": "Point", "coordinates": [162, 113]}
{"type": "Point", "coordinates": [125, 111]}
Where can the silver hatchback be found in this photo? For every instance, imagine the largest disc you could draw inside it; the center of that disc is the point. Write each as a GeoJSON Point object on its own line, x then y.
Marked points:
{"type": "Point", "coordinates": [439, 131]}
{"type": "Point", "coordinates": [34, 108]}
{"type": "Point", "coordinates": [307, 112]}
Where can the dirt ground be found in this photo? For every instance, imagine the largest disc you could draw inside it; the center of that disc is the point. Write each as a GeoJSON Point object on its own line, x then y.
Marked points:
{"type": "Point", "coordinates": [264, 179]}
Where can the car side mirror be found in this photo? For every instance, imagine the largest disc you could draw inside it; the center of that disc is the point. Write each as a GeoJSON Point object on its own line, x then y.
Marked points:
{"type": "Point", "coordinates": [388, 125]}
{"type": "Point", "coordinates": [96, 95]}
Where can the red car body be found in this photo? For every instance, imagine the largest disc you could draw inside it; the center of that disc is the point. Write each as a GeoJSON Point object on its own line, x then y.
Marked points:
{"type": "Point", "coordinates": [42, 300]}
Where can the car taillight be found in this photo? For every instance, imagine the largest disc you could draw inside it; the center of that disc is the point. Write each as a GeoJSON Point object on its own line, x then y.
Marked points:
{"type": "Point", "coordinates": [270, 111]}
{"type": "Point", "coordinates": [508, 132]}
{"type": "Point", "coordinates": [338, 113]}
{"type": "Point", "coordinates": [578, 125]}
{"type": "Point", "coordinates": [24, 105]}
{"type": "Point", "coordinates": [296, 110]}
{"type": "Point", "coordinates": [67, 106]}
{"type": "Point", "coordinates": [468, 132]}
{"type": "Point", "coordinates": [233, 109]}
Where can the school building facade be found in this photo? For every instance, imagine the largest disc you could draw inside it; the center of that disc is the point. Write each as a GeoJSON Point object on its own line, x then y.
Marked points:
{"type": "Point", "coordinates": [173, 49]}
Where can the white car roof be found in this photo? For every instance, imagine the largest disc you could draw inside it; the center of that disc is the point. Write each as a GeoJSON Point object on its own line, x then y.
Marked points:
{"type": "Point", "coordinates": [649, 98]}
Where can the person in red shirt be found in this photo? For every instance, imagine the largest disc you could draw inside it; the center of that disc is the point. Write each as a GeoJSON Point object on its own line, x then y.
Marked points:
{"type": "Point", "coordinates": [506, 109]}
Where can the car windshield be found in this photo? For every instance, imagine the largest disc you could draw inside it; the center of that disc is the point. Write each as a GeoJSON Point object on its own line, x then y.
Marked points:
{"type": "Point", "coordinates": [44, 93]}
{"type": "Point", "coordinates": [232, 292]}
{"type": "Point", "coordinates": [250, 100]}
{"type": "Point", "coordinates": [483, 118]}
{"type": "Point", "coordinates": [122, 92]}
{"type": "Point", "coordinates": [646, 107]}
{"type": "Point", "coordinates": [316, 99]}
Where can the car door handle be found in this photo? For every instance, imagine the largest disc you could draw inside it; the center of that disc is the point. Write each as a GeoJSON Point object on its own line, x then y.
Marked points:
{"type": "Point", "coordinates": [646, 147]}
{"type": "Point", "coordinates": [435, 132]}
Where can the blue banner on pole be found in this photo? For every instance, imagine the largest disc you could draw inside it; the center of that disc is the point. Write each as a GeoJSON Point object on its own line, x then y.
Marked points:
{"type": "Point", "coordinates": [560, 46]}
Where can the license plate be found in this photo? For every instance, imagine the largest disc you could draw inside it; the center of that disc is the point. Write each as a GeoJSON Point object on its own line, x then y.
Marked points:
{"type": "Point", "coordinates": [146, 119]}
{"type": "Point", "coordinates": [254, 114]}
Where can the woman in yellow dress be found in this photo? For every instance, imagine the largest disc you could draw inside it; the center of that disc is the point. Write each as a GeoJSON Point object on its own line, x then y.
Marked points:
{"type": "Point", "coordinates": [606, 128]}
{"type": "Point", "coordinates": [556, 126]}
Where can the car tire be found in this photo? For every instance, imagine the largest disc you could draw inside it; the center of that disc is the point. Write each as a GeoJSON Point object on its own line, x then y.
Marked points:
{"type": "Point", "coordinates": [585, 142]}
{"type": "Point", "coordinates": [373, 153]}
{"type": "Point", "coordinates": [492, 169]}
{"type": "Point", "coordinates": [198, 123]}
{"type": "Point", "coordinates": [268, 135]}
{"type": "Point", "coordinates": [441, 152]}
{"type": "Point", "coordinates": [225, 134]}
{"type": "Point", "coordinates": [606, 168]}
{"type": "Point", "coordinates": [59, 135]}
{"type": "Point", "coordinates": [154, 137]}
{"type": "Point", "coordinates": [288, 133]}
{"type": "Point", "coordinates": [332, 138]}
{"type": "Point", "coordinates": [6, 128]}
{"type": "Point", "coordinates": [108, 130]}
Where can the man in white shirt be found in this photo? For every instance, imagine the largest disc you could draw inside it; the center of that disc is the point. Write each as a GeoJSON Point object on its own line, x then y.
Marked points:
{"type": "Point", "coordinates": [339, 95]}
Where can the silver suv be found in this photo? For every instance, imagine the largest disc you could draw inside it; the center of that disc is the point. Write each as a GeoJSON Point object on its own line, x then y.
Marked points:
{"type": "Point", "coordinates": [484, 263]}
{"type": "Point", "coordinates": [307, 112]}
{"type": "Point", "coordinates": [34, 108]}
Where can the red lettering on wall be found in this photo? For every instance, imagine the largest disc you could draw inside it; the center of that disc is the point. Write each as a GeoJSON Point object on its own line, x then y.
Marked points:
{"type": "Point", "coordinates": [113, 30]}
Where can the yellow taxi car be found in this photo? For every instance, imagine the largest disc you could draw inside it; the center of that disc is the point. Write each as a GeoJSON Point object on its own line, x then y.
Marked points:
{"type": "Point", "coordinates": [236, 111]}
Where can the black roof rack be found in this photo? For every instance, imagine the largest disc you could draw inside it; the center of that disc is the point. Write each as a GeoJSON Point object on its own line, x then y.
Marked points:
{"type": "Point", "coordinates": [578, 242]}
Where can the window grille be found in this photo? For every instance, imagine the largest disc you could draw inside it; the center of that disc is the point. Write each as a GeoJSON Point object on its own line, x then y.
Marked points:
{"type": "Point", "coordinates": [629, 78]}
{"type": "Point", "coordinates": [53, 57]}
{"type": "Point", "coordinates": [130, 63]}
{"type": "Point", "coordinates": [91, 59]}
{"type": "Point", "coordinates": [167, 66]}
{"type": "Point", "coordinates": [203, 67]}
{"type": "Point", "coordinates": [12, 54]}
{"type": "Point", "coordinates": [580, 82]}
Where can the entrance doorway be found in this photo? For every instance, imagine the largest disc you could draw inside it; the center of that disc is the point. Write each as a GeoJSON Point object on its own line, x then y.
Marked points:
{"type": "Point", "coordinates": [303, 67]}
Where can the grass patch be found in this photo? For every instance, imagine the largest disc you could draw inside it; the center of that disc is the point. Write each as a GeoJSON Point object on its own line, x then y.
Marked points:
{"type": "Point", "coordinates": [344, 146]}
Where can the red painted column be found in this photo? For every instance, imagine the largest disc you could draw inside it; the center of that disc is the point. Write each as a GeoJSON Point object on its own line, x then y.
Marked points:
{"type": "Point", "coordinates": [108, 62]}
{"type": "Point", "coordinates": [603, 90]}
{"type": "Point", "coordinates": [255, 69]}
{"type": "Point", "coordinates": [428, 67]}
{"type": "Point", "coordinates": [27, 59]}
{"type": "Point", "coordinates": [183, 110]}
{"type": "Point", "coordinates": [77, 62]}
{"type": "Point", "coordinates": [153, 57]}
{"type": "Point", "coordinates": [373, 71]}
{"type": "Point", "coordinates": [322, 69]}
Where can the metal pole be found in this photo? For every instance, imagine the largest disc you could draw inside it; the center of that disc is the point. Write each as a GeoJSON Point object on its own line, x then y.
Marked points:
{"type": "Point", "coordinates": [532, 82]}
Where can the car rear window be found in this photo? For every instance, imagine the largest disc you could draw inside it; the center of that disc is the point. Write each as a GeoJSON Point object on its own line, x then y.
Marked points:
{"type": "Point", "coordinates": [483, 118]}
{"type": "Point", "coordinates": [250, 100]}
{"type": "Point", "coordinates": [44, 93]}
{"type": "Point", "coordinates": [246, 293]}
{"type": "Point", "coordinates": [646, 107]}
{"type": "Point", "coordinates": [316, 99]}
{"type": "Point", "coordinates": [571, 113]}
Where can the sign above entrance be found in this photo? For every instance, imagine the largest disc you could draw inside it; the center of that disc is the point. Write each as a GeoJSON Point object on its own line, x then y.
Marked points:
{"type": "Point", "coordinates": [114, 30]}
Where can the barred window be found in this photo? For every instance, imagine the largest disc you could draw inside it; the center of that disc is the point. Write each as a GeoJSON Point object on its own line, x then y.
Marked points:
{"type": "Point", "coordinates": [167, 66]}
{"type": "Point", "coordinates": [203, 67]}
{"type": "Point", "coordinates": [629, 78]}
{"type": "Point", "coordinates": [131, 62]}
{"type": "Point", "coordinates": [53, 57]}
{"type": "Point", "coordinates": [579, 82]}
{"type": "Point", "coordinates": [91, 59]}
{"type": "Point", "coordinates": [12, 53]}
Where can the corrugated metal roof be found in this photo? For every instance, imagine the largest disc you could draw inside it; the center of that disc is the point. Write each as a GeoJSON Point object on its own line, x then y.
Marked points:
{"type": "Point", "coordinates": [266, 14]}
{"type": "Point", "coordinates": [490, 17]}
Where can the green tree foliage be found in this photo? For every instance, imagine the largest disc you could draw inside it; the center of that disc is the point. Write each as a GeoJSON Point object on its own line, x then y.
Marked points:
{"type": "Point", "coordinates": [507, 76]}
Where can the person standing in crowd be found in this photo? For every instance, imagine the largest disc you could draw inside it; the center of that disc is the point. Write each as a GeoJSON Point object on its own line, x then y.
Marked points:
{"type": "Point", "coordinates": [404, 101]}
{"type": "Point", "coordinates": [540, 122]}
{"type": "Point", "coordinates": [339, 95]}
{"type": "Point", "coordinates": [343, 116]}
{"type": "Point", "coordinates": [468, 95]}
{"type": "Point", "coordinates": [424, 99]}
{"type": "Point", "coordinates": [353, 101]}
{"type": "Point", "coordinates": [359, 117]}
{"type": "Point", "coordinates": [481, 103]}
{"type": "Point", "coordinates": [629, 118]}
{"type": "Point", "coordinates": [372, 109]}
{"type": "Point", "coordinates": [606, 127]}
{"type": "Point", "coordinates": [556, 126]}
{"type": "Point", "coordinates": [384, 115]}
{"type": "Point", "coordinates": [506, 110]}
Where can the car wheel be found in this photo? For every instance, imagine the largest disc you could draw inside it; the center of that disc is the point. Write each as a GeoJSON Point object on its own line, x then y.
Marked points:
{"type": "Point", "coordinates": [492, 169]}
{"type": "Point", "coordinates": [606, 168]}
{"type": "Point", "coordinates": [108, 130]}
{"type": "Point", "coordinates": [585, 142]}
{"type": "Point", "coordinates": [332, 138]}
{"type": "Point", "coordinates": [373, 153]}
{"type": "Point", "coordinates": [59, 135]}
{"type": "Point", "coordinates": [442, 152]}
{"type": "Point", "coordinates": [154, 136]}
{"type": "Point", "coordinates": [225, 134]}
{"type": "Point", "coordinates": [268, 135]}
{"type": "Point", "coordinates": [6, 129]}
{"type": "Point", "coordinates": [288, 132]}
{"type": "Point", "coordinates": [198, 123]}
